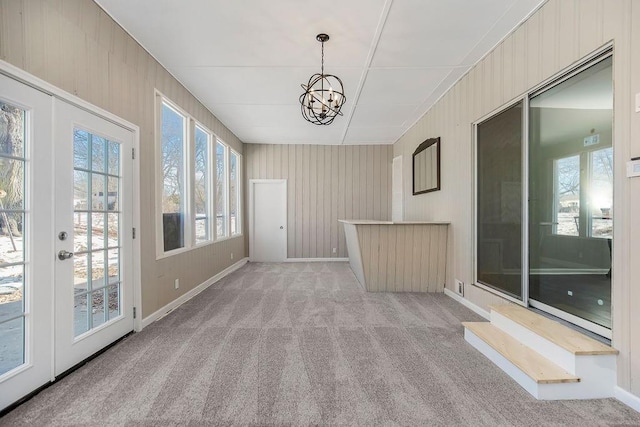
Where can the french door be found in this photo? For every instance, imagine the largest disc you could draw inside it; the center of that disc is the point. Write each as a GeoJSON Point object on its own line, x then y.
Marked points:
{"type": "Point", "coordinates": [93, 234]}
{"type": "Point", "coordinates": [26, 247]}
{"type": "Point", "coordinates": [66, 282]}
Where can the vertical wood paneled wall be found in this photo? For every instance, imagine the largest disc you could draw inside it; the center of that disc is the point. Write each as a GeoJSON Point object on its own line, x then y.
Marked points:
{"type": "Point", "coordinates": [76, 46]}
{"type": "Point", "coordinates": [560, 33]}
{"type": "Point", "coordinates": [325, 183]}
{"type": "Point", "coordinates": [403, 257]}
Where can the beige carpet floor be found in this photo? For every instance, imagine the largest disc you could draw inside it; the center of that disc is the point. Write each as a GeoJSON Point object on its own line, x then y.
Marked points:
{"type": "Point", "coordinates": [300, 344]}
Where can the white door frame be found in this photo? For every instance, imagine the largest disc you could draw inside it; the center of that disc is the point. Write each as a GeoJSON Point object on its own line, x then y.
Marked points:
{"type": "Point", "coordinates": [252, 183]}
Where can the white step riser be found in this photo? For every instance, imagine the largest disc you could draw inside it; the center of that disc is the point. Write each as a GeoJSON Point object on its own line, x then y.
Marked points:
{"type": "Point", "coordinates": [598, 373]}
{"type": "Point", "coordinates": [570, 391]}
{"type": "Point", "coordinates": [499, 360]}
{"type": "Point", "coordinates": [588, 388]}
{"type": "Point", "coordinates": [558, 355]}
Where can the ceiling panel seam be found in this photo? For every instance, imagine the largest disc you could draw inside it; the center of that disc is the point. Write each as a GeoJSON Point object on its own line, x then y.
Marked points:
{"type": "Point", "coordinates": [363, 77]}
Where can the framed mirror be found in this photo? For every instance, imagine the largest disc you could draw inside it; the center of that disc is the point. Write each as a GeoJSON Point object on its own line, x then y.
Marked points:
{"type": "Point", "coordinates": [426, 167]}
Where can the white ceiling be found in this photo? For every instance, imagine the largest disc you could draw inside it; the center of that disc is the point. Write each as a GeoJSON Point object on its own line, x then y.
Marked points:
{"type": "Point", "coordinates": [245, 60]}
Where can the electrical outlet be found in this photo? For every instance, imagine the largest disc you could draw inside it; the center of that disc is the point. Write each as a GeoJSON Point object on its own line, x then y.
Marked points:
{"type": "Point", "coordinates": [176, 284]}
{"type": "Point", "coordinates": [460, 287]}
{"type": "Point", "coordinates": [335, 250]}
{"type": "Point", "coordinates": [231, 255]}
{"type": "Point", "coordinates": [570, 293]}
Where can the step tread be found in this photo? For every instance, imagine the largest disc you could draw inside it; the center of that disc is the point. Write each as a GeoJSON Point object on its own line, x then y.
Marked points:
{"type": "Point", "coordinates": [572, 341]}
{"type": "Point", "coordinates": [540, 369]}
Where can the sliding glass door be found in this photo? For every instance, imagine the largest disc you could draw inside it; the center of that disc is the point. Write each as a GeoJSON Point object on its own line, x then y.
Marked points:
{"type": "Point", "coordinates": [571, 195]}
{"type": "Point", "coordinates": [544, 188]}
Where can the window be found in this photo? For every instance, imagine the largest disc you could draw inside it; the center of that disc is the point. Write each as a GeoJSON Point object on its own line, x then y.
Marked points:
{"type": "Point", "coordinates": [234, 193]}
{"type": "Point", "coordinates": [202, 187]}
{"type": "Point", "coordinates": [195, 181]}
{"type": "Point", "coordinates": [222, 212]}
{"type": "Point", "coordinates": [174, 137]}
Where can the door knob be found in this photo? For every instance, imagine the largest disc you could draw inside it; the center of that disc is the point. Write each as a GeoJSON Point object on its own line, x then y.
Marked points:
{"type": "Point", "coordinates": [282, 227]}
{"type": "Point", "coordinates": [62, 255]}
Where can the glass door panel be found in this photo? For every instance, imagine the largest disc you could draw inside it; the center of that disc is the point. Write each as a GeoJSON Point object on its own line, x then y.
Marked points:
{"type": "Point", "coordinates": [571, 196]}
{"type": "Point", "coordinates": [12, 229]}
{"type": "Point", "coordinates": [499, 202]}
{"type": "Point", "coordinates": [96, 171]}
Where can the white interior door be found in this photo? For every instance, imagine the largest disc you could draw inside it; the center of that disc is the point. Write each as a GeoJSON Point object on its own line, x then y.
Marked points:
{"type": "Point", "coordinates": [93, 234]}
{"type": "Point", "coordinates": [26, 261]}
{"type": "Point", "coordinates": [268, 233]}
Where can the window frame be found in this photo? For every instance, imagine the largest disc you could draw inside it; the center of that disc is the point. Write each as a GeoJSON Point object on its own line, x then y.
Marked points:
{"type": "Point", "coordinates": [189, 170]}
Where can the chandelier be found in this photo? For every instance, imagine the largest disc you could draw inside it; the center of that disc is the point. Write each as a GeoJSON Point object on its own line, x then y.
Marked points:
{"type": "Point", "coordinates": [323, 95]}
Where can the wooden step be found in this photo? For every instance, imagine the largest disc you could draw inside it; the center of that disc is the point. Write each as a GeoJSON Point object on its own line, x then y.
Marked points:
{"type": "Point", "coordinates": [564, 337]}
{"type": "Point", "coordinates": [541, 370]}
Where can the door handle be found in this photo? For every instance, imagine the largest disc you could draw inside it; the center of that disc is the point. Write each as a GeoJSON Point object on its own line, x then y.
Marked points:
{"type": "Point", "coordinates": [282, 227]}
{"type": "Point", "coordinates": [62, 255]}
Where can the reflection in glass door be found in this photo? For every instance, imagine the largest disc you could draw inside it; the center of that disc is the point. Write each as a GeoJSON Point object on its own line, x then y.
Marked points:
{"type": "Point", "coordinates": [571, 197]}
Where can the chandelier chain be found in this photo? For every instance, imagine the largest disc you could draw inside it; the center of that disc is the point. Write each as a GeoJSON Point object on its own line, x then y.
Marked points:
{"type": "Point", "coordinates": [322, 62]}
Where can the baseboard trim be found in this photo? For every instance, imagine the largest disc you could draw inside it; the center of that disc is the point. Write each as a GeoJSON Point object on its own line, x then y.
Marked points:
{"type": "Point", "coordinates": [482, 312]}
{"type": "Point", "coordinates": [317, 260]}
{"type": "Point", "coordinates": [192, 293]}
{"type": "Point", "coordinates": [631, 400]}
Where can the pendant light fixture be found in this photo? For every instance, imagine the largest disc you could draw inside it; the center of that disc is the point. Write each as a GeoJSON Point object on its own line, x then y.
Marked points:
{"type": "Point", "coordinates": [323, 95]}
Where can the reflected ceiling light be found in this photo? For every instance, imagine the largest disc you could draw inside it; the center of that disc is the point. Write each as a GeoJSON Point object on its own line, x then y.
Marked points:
{"type": "Point", "coordinates": [323, 96]}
